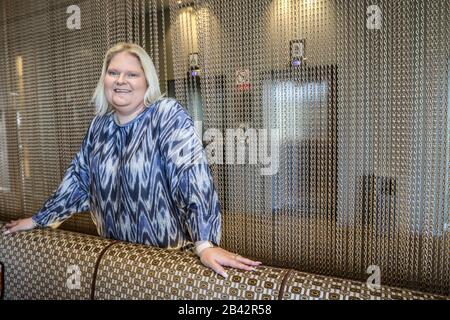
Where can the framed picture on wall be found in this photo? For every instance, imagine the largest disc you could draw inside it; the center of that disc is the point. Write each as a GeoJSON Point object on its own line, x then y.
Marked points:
{"type": "Point", "coordinates": [193, 61]}
{"type": "Point", "coordinates": [297, 50]}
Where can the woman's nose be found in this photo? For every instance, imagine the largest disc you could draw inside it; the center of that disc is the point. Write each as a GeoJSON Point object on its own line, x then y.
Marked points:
{"type": "Point", "coordinates": [121, 79]}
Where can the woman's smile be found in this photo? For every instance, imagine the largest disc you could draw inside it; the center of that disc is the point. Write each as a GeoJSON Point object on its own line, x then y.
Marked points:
{"type": "Point", "coordinates": [121, 91]}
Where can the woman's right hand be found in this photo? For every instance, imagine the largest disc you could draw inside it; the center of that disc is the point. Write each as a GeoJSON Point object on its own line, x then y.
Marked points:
{"type": "Point", "coordinates": [18, 225]}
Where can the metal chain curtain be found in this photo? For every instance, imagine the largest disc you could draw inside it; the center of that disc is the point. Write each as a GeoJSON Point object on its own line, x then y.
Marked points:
{"type": "Point", "coordinates": [363, 130]}
{"type": "Point", "coordinates": [362, 119]}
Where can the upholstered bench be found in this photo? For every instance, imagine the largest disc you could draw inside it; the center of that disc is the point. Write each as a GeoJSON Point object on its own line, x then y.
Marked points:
{"type": "Point", "coordinates": [38, 263]}
{"type": "Point", "coordinates": [57, 264]}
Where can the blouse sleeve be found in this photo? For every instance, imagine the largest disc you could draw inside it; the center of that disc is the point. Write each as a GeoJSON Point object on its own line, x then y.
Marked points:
{"type": "Point", "coordinates": [71, 196]}
{"type": "Point", "coordinates": [190, 179]}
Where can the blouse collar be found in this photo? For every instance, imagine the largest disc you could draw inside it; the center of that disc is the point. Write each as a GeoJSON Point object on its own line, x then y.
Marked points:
{"type": "Point", "coordinates": [116, 121]}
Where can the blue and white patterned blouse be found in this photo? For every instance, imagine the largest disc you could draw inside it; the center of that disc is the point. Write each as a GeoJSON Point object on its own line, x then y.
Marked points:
{"type": "Point", "coordinates": [146, 181]}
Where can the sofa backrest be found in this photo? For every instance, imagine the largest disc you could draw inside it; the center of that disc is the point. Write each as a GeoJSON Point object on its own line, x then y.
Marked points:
{"type": "Point", "coordinates": [57, 264]}
{"type": "Point", "coordinates": [39, 264]}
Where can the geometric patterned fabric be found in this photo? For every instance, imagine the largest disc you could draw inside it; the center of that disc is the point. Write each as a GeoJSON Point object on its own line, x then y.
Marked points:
{"type": "Point", "coordinates": [42, 264]}
{"type": "Point", "coordinates": [307, 286]}
{"type": "Point", "coordinates": [139, 272]}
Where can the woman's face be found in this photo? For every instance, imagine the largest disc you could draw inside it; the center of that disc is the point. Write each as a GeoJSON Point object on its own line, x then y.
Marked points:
{"type": "Point", "coordinates": [125, 84]}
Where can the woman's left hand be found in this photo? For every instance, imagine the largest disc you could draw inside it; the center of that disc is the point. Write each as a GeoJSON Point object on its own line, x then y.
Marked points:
{"type": "Point", "coordinates": [216, 258]}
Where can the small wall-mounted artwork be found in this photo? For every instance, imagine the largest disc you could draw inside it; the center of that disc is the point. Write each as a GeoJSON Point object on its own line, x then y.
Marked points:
{"type": "Point", "coordinates": [297, 49]}
{"type": "Point", "coordinates": [194, 68]}
{"type": "Point", "coordinates": [193, 61]}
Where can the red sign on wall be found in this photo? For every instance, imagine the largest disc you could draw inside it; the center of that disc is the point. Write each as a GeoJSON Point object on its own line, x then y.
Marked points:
{"type": "Point", "coordinates": [243, 79]}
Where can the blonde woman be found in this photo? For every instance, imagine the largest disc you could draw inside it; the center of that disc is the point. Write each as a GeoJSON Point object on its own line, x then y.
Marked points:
{"type": "Point", "coordinates": [141, 169]}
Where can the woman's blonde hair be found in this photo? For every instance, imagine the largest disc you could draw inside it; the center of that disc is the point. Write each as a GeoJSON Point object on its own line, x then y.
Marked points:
{"type": "Point", "coordinates": [153, 92]}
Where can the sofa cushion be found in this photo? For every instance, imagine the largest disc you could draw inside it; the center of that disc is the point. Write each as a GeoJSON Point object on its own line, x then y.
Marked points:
{"type": "Point", "coordinates": [43, 264]}
{"type": "Point", "coordinates": [129, 271]}
{"type": "Point", "coordinates": [307, 286]}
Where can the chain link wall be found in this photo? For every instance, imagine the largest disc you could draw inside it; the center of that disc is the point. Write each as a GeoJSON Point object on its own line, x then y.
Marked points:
{"type": "Point", "coordinates": [363, 132]}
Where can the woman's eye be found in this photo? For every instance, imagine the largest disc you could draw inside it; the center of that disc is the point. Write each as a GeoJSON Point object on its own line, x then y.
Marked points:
{"type": "Point", "coordinates": [112, 73]}
{"type": "Point", "coordinates": [133, 75]}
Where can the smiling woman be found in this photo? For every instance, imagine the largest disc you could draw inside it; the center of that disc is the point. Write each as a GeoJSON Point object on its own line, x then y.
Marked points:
{"type": "Point", "coordinates": [141, 170]}
{"type": "Point", "coordinates": [125, 86]}
{"type": "Point", "coordinates": [129, 69]}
